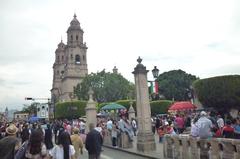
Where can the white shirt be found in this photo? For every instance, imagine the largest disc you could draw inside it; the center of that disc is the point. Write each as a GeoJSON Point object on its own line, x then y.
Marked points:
{"type": "Point", "coordinates": [57, 152]}
{"type": "Point", "coordinates": [220, 122]}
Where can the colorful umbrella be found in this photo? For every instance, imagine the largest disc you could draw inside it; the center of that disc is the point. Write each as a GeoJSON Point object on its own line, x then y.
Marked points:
{"type": "Point", "coordinates": [185, 105]}
{"type": "Point", "coordinates": [112, 106]}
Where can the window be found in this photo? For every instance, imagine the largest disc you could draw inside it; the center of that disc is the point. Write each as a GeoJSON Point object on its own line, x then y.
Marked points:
{"type": "Point", "coordinates": [58, 58]}
{"type": "Point", "coordinates": [77, 59]}
{"type": "Point", "coordinates": [62, 58]}
{"type": "Point", "coordinates": [71, 37]}
{"type": "Point", "coordinates": [71, 56]}
{"type": "Point", "coordinates": [83, 57]}
{"type": "Point", "coordinates": [57, 72]}
{"type": "Point", "coordinates": [76, 37]}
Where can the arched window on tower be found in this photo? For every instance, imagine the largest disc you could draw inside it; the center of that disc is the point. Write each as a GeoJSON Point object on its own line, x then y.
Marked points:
{"type": "Point", "coordinates": [71, 38]}
{"type": "Point", "coordinates": [77, 59]}
{"type": "Point", "coordinates": [57, 58]}
{"type": "Point", "coordinates": [71, 57]}
{"type": "Point", "coordinates": [62, 58]}
{"type": "Point", "coordinates": [77, 37]}
{"type": "Point", "coordinates": [57, 72]}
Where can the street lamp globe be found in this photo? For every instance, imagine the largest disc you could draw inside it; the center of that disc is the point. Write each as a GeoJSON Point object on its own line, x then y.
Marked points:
{"type": "Point", "coordinates": [155, 72]}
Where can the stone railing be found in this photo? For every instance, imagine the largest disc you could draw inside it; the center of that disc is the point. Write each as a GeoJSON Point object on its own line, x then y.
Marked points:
{"type": "Point", "coordinates": [122, 140]}
{"type": "Point", "coordinates": [186, 147]}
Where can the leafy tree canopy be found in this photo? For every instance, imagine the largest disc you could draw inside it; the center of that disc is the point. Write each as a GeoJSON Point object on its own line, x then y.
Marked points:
{"type": "Point", "coordinates": [175, 84]}
{"type": "Point", "coordinates": [222, 92]}
{"type": "Point", "coordinates": [107, 87]}
{"type": "Point", "coordinates": [31, 109]}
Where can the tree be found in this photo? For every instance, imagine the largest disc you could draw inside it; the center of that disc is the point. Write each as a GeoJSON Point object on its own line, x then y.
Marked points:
{"type": "Point", "coordinates": [70, 110]}
{"type": "Point", "coordinates": [31, 109]}
{"type": "Point", "coordinates": [107, 87]}
{"type": "Point", "coordinates": [175, 84]}
{"type": "Point", "coordinates": [222, 92]}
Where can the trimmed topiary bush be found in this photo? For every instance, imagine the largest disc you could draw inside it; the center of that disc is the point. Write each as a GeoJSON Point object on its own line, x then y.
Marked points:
{"type": "Point", "coordinates": [74, 109]}
{"type": "Point", "coordinates": [157, 107]}
{"type": "Point", "coordinates": [222, 92]}
{"type": "Point", "coordinates": [160, 106]}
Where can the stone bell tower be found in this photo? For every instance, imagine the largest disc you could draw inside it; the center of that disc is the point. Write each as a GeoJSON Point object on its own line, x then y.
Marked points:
{"type": "Point", "coordinates": [70, 65]}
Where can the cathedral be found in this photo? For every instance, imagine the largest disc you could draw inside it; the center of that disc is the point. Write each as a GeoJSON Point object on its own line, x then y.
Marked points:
{"type": "Point", "coordinates": [70, 65]}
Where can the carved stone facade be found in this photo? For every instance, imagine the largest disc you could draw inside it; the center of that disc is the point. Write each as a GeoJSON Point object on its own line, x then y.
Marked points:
{"type": "Point", "coordinates": [70, 65]}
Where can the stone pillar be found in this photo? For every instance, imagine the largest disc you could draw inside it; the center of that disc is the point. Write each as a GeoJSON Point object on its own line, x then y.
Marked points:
{"type": "Point", "coordinates": [214, 151]}
{"type": "Point", "coordinates": [131, 112]}
{"type": "Point", "coordinates": [195, 151]}
{"type": "Point", "coordinates": [145, 137]}
{"type": "Point", "coordinates": [91, 110]}
{"type": "Point", "coordinates": [228, 148]}
{"type": "Point", "coordinates": [185, 147]}
{"type": "Point", "coordinates": [204, 148]}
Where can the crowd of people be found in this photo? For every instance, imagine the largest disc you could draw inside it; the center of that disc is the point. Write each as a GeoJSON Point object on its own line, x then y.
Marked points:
{"type": "Point", "coordinates": [197, 124]}
{"type": "Point", "coordinates": [64, 139]}
{"type": "Point", "coordinates": [61, 139]}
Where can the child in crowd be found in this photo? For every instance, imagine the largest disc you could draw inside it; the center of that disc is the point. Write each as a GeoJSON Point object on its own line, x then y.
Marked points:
{"type": "Point", "coordinates": [161, 134]}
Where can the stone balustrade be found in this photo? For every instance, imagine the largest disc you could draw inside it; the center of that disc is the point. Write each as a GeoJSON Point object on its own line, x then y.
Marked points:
{"type": "Point", "coordinates": [187, 147]}
{"type": "Point", "coordinates": [122, 140]}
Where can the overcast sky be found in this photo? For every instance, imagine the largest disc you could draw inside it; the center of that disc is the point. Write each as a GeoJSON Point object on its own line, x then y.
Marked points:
{"type": "Point", "coordinates": [199, 37]}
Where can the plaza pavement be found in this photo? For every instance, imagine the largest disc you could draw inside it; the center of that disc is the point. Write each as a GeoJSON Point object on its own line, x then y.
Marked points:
{"type": "Point", "coordinates": [158, 154]}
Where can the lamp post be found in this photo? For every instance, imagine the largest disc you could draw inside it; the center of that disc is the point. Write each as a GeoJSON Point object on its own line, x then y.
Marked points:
{"type": "Point", "coordinates": [72, 96]}
{"type": "Point", "coordinates": [155, 73]}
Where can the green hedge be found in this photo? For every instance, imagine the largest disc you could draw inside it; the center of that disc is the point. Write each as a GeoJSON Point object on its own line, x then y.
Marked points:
{"type": "Point", "coordinates": [222, 92]}
{"type": "Point", "coordinates": [157, 107]}
{"type": "Point", "coordinates": [160, 106]}
{"type": "Point", "coordinates": [74, 109]}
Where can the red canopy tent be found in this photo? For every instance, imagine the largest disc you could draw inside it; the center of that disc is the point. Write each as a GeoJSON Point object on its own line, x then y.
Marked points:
{"type": "Point", "coordinates": [185, 105]}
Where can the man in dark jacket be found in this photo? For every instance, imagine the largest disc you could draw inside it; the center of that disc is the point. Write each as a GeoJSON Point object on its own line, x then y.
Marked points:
{"type": "Point", "coordinates": [93, 143]}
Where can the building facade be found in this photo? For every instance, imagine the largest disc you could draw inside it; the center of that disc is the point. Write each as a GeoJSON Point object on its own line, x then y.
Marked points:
{"type": "Point", "coordinates": [70, 65]}
{"type": "Point", "coordinates": [21, 116]}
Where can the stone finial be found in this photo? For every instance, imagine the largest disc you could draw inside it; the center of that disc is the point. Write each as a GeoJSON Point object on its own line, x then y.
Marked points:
{"type": "Point", "coordinates": [131, 109]}
{"type": "Point", "coordinates": [75, 16]}
{"type": "Point", "coordinates": [115, 70]}
{"type": "Point", "coordinates": [90, 93]}
{"type": "Point", "coordinates": [140, 68]}
{"type": "Point", "coordinates": [139, 60]}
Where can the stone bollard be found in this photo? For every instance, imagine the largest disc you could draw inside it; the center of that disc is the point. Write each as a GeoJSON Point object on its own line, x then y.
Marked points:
{"type": "Point", "coordinates": [185, 147]}
{"type": "Point", "coordinates": [236, 143]}
{"type": "Point", "coordinates": [194, 149]}
{"type": "Point", "coordinates": [168, 147]}
{"type": "Point", "coordinates": [177, 148]}
{"type": "Point", "coordinates": [204, 148]}
{"type": "Point", "coordinates": [228, 148]}
{"type": "Point", "coordinates": [124, 141]}
{"type": "Point", "coordinates": [215, 150]}
{"type": "Point", "coordinates": [108, 139]}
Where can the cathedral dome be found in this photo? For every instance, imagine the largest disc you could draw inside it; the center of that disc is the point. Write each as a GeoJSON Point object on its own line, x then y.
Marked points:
{"type": "Point", "coordinates": [61, 44]}
{"type": "Point", "coordinates": [74, 24]}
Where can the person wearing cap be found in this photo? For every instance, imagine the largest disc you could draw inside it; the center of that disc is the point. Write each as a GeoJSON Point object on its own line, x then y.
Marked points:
{"type": "Point", "coordinates": [204, 126]}
{"type": "Point", "coordinates": [77, 143]}
{"type": "Point", "coordinates": [9, 144]}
